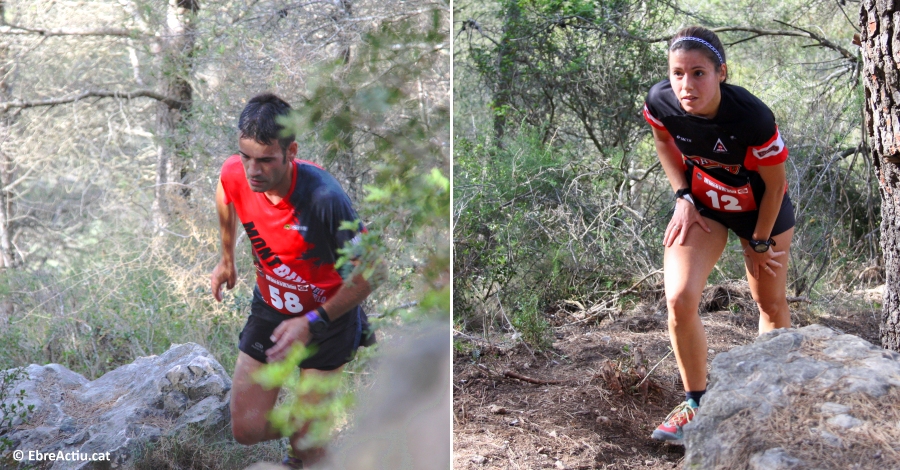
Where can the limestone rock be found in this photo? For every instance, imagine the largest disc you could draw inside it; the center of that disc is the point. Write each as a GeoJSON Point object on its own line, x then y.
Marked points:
{"type": "Point", "coordinates": [797, 399]}
{"type": "Point", "coordinates": [124, 409]}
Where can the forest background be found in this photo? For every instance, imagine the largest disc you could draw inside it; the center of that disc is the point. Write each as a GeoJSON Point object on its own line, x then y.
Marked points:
{"type": "Point", "coordinates": [559, 199]}
{"type": "Point", "coordinates": [115, 117]}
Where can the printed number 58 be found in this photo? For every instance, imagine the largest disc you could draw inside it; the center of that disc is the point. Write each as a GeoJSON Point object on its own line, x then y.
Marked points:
{"type": "Point", "coordinates": [291, 302]}
{"type": "Point", "coordinates": [731, 202]}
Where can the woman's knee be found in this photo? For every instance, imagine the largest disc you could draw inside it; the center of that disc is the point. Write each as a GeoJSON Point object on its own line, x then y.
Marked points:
{"type": "Point", "coordinates": [681, 305]}
{"type": "Point", "coordinates": [772, 307]}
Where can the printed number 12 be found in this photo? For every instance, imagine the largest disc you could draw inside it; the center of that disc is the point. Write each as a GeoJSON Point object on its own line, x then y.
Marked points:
{"type": "Point", "coordinates": [291, 302]}
{"type": "Point", "coordinates": [731, 202]}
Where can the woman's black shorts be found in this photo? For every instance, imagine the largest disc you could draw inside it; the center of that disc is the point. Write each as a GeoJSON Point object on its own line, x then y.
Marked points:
{"type": "Point", "coordinates": [744, 223]}
{"type": "Point", "coordinates": [334, 348]}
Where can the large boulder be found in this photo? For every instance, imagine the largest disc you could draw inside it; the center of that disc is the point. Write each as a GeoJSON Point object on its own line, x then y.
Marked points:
{"type": "Point", "coordinates": [121, 411]}
{"type": "Point", "coordinates": [805, 398]}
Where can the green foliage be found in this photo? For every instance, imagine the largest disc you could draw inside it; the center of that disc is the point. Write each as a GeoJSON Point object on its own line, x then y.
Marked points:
{"type": "Point", "coordinates": [13, 410]}
{"type": "Point", "coordinates": [574, 67]}
{"type": "Point", "coordinates": [529, 320]}
{"type": "Point", "coordinates": [409, 197]}
{"type": "Point", "coordinates": [316, 404]}
{"type": "Point", "coordinates": [537, 224]}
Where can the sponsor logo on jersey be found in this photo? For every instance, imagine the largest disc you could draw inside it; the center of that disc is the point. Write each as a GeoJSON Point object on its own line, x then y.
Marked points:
{"type": "Point", "coordinates": [295, 227]}
{"type": "Point", "coordinates": [720, 147]}
{"type": "Point", "coordinates": [684, 139]}
{"type": "Point", "coordinates": [771, 148]}
{"type": "Point", "coordinates": [708, 164]}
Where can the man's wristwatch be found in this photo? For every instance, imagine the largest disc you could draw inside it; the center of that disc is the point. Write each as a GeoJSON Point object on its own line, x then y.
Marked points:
{"type": "Point", "coordinates": [760, 246]}
{"type": "Point", "coordinates": [684, 193]}
{"type": "Point", "coordinates": [318, 321]}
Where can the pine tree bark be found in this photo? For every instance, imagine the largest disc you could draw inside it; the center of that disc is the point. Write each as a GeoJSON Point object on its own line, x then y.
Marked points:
{"type": "Point", "coordinates": [881, 78]}
{"type": "Point", "coordinates": [176, 49]}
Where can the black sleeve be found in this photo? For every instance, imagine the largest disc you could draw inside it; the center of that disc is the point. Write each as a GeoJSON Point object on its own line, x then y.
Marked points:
{"type": "Point", "coordinates": [333, 208]}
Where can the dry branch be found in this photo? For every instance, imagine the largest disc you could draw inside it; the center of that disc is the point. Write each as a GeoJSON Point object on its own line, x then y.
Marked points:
{"type": "Point", "coordinates": [757, 32]}
{"type": "Point", "coordinates": [525, 378]}
{"type": "Point", "coordinates": [517, 376]}
{"type": "Point", "coordinates": [117, 32]}
{"type": "Point", "coordinates": [171, 102]}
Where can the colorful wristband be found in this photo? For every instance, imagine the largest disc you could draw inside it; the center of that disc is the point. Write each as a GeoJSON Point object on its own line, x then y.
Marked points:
{"type": "Point", "coordinates": [312, 316]}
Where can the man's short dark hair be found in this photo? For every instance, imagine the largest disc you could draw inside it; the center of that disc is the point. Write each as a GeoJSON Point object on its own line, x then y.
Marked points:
{"type": "Point", "coordinates": [259, 120]}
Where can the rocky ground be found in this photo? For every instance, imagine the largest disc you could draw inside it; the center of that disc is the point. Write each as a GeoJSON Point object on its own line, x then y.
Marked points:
{"type": "Point", "coordinates": [592, 400]}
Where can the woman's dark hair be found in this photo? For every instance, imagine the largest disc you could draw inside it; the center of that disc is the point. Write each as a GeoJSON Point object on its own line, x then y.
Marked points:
{"type": "Point", "coordinates": [698, 38]}
{"type": "Point", "coordinates": [259, 120]}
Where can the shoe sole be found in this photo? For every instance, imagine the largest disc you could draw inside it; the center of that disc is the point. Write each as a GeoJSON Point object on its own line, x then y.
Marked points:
{"type": "Point", "coordinates": [667, 437]}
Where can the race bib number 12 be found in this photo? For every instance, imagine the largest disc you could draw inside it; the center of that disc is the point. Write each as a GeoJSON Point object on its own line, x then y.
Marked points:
{"type": "Point", "coordinates": [719, 196]}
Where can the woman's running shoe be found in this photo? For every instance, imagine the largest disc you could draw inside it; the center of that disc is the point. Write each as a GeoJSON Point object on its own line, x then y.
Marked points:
{"type": "Point", "coordinates": [671, 429]}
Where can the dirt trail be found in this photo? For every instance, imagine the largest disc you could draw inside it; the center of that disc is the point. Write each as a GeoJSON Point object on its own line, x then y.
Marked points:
{"type": "Point", "coordinates": [588, 407]}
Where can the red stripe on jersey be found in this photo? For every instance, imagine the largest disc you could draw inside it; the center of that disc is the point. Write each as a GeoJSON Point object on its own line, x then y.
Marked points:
{"type": "Point", "coordinates": [652, 120]}
{"type": "Point", "coordinates": [770, 153]}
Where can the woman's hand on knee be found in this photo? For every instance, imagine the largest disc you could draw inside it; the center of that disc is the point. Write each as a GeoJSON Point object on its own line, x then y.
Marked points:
{"type": "Point", "coordinates": [764, 261]}
{"type": "Point", "coordinates": [685, 215]}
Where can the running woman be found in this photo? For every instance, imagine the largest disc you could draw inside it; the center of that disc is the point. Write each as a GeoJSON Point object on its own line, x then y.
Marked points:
{"type": "Point", "coordinates": [722, 154]}
{"type": "Point", "coordinates": [292, 212]}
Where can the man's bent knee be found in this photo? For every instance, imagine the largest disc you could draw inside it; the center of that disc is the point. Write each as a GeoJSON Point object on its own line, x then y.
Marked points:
{"type": "Point", "coordinates": [246, 435]}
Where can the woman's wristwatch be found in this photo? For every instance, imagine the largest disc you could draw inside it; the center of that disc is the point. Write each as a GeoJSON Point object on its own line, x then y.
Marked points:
{"type": "Point", "coordinates": [684, 193]}
{"type": "Point", "coordinates": [761, 246]}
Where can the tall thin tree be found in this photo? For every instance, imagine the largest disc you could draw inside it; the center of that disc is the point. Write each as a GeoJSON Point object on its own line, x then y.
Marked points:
{"type": "Point", "coordinates": [881, 77]}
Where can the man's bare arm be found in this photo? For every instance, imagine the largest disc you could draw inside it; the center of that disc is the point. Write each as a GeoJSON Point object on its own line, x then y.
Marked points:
{"type": "Point", "coordinates": [224, 272]}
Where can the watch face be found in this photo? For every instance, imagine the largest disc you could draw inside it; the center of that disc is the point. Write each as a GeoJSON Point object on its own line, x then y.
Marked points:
{"type": "Point", "coordinates": [317, 328]}
{"type": "Point", "coordinates": [761, 247]}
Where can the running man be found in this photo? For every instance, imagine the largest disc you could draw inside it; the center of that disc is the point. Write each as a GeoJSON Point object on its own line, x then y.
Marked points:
{"type": "Point", "coordinates": [724, 157]}
{"type": "Point", "coordinates": [292, 212]}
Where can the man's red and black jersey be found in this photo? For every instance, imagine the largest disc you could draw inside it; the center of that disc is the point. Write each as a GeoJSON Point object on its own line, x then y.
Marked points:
{"type": "Point", "coordinates": [740, 138]}
{"type": "Point", "coordinates": [295, 242]}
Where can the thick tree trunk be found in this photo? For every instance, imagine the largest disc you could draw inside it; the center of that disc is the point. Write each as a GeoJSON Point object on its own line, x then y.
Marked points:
{"type": "Point", "coordinates": [176, 49]}
{"type": "Point", "coordinates": [8, 258]}
{"type": "Point", "coordinates": [881, 77]}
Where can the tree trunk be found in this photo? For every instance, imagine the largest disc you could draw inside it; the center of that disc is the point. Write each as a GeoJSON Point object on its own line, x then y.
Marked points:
{"type": "Point", "coordinates": [8, 258]}
{"type": "Point", "coordinates": [342, 157]}
{"type": "Point", "coordinates": [881, 58]}
{"type": "Point", "coordinates": [506, 69]}
{"type": "Point", "coordinates": [176, 50]}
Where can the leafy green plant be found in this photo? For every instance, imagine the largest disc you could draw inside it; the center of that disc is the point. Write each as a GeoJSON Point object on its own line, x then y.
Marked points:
{"type": "Point", "coordinates": [316, 415]}
{"type": "Point", "coordinates": [13, 410]}
{"type": "Point", "coordinates": [528, 319]}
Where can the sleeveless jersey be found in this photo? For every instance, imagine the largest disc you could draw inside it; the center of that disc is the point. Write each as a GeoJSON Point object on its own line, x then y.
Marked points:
{"type": "Point", "coordinates": [295, 242]}
{"type": "Point", "coordinates": [731, 146]}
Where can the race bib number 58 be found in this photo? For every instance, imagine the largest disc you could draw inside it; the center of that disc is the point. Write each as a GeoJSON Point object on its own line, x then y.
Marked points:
{"type": "Point", "coordinates": [719, 196]}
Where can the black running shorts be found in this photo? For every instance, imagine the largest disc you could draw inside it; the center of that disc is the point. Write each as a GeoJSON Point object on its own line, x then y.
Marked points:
{"type": "Point", "coordinates": [744, 223]}
{"type": "Point", "coordinates": [334, 348]}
